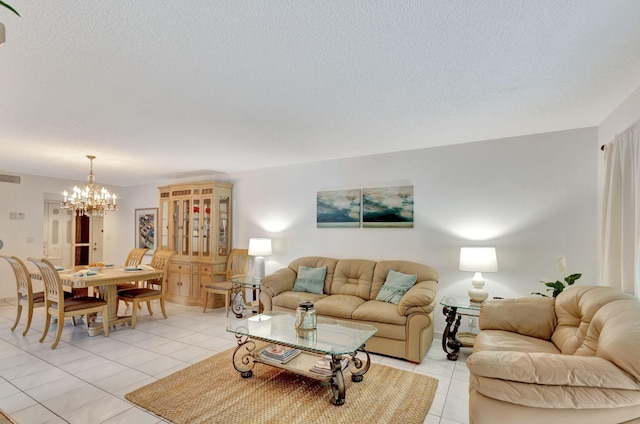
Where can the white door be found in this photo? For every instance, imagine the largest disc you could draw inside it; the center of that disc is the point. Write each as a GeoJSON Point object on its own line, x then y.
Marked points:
{"type": "Point", "coordinates": [96, 237]}
{"type": "Point", "coordinates": [57, 244]}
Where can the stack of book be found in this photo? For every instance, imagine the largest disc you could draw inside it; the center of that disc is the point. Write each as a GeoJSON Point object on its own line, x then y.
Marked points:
{"type": "Point", "coordinates": [280, 354]}
{"type": "Point", "coordinates": [323, 365]}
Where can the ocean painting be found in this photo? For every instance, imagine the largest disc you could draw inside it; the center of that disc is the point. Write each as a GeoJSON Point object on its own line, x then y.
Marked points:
{"type": "Point", "coordinates": [338, 208]}
{"type": "Point", "coordinates": [390, 207]}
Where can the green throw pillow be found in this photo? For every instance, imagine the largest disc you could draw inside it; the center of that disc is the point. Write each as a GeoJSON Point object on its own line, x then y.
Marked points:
{"type": "Point", "coordinates": [310, 280]}
{"type": "Point", "coordinates": [396, 286]}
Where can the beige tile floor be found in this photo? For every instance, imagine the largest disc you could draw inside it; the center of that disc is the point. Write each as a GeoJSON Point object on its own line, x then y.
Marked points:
{"type": "Point", "coordinates": [85, 379]}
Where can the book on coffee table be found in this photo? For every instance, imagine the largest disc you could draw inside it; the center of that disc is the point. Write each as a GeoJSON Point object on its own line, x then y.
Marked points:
{"type": "Point", "coordinates": [278, 353]}
{"type": "Point", "coordinates": [323, 365]}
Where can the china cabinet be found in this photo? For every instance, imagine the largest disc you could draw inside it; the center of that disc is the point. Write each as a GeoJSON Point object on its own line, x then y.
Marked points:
{"type": "Point", "coordinates": [195, 222]}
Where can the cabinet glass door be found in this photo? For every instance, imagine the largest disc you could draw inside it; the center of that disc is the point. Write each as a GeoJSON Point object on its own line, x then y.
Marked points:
{"type": "Point", "coordinates": [186, 228]}
{"type": "Point", "coordinates": [205, 213]}
{"type": "Point", "coordinates": [195, 228]}
{"type": "Point", "coordinates": [164, 224]}
{"type": "Point", "coordinates": [175, 224]}
{"type": "Point", "coordinates": [223, 226]}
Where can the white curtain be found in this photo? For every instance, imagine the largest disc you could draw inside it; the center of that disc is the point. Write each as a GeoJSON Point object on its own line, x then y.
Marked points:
{"type": "Point", "coordinates": [621, 212]}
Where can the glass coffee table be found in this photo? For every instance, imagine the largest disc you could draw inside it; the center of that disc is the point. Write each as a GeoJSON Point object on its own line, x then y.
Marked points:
{"type": "Point", "coordinates": [338, 341]}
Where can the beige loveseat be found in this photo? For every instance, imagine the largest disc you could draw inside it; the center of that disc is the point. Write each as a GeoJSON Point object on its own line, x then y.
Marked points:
{"type": "Point", "coordinates": [405, 330]}
{"type": "Point", "coordinates": [573, 359]}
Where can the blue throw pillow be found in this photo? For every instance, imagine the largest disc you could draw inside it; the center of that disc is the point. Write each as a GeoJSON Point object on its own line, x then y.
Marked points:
{"type": "Point", "coordinates": [310, 280]}
{"type": "Point", "coordinates": [396, 286]}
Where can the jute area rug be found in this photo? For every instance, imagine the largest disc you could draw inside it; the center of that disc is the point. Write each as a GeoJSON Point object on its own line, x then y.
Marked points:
{"type": "Point", "coordinates": [212, 391]}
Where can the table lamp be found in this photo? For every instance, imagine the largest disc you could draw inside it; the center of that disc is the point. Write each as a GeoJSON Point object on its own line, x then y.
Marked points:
{"type": "Point", "coordinates": [259, 247]}
{"type": "Point", "coordinates": [478, 260]}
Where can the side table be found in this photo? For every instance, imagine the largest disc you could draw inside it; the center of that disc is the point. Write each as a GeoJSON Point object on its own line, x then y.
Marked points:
{"type": "Point", "coordinates": [452, 341]}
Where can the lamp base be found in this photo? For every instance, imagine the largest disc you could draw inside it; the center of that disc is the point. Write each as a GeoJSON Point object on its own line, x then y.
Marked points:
{"type": "Point", "coordinates": [258, 267]}
{"type": "Point", "coordinates": [477, 294]}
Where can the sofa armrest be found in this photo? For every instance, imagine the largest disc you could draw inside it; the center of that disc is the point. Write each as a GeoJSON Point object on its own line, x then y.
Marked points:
{"type": "Point", "coordinates": [550, 369]}
{"type": "Point", "coordinates": [419, 298]}
{"type": "Point", "coordinates": [529, 316]}
{"type": "Point", "coordinates": [280, 281]}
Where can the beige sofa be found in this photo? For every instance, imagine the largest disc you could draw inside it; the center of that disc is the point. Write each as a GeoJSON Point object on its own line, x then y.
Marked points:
{"type": "Point", "coordinates": [350, 288]}
{"type": "Point", "coordinates": [573, 359]}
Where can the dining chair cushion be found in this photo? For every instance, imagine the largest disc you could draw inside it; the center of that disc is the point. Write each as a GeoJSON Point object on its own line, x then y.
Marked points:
{"type": "Point", "coordinates": [139, 292]}
{"type": "Point", "coordinates": [77, 303]}
{"type": "Point", "coordinates": [225, 285]}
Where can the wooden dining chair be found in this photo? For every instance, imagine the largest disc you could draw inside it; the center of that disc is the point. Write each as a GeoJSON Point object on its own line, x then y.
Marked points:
{"type": "Point", "coordinates": [155, 289]}
{"type": "Point", "coordinates": [236, 265]}
{"type": "Point", "coordinates": [58, 306]}
{"type": "Point", "coordinates": [26, 296]}
{"type": "Point", "coordinates": [133, 259]}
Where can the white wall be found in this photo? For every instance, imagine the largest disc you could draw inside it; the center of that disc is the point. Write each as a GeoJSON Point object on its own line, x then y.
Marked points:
{"type": "Point", "coordinates": [533, 197]}
{"type": "Point", "coordinates": [25, 237]}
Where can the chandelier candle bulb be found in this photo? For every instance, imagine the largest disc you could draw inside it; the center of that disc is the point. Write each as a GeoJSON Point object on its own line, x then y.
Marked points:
{"type": "Point", "coordinates": [92, 200]}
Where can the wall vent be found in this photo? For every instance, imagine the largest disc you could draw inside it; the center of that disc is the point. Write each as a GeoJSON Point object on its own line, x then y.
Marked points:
{"type": "Point", "coordinates": [9, 179]}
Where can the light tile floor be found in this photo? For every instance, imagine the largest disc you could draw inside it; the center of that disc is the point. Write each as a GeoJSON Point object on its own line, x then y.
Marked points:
{"type": "Point", "coordinates": [40, 385]}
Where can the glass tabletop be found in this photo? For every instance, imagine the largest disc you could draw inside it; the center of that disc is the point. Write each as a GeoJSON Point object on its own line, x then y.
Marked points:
{"type": "Point", "coordinates": [331, 336]}
{"type": "Point", "coordinates": [245, 280]}
{"type": "Point", "coordinates": [452, 302]}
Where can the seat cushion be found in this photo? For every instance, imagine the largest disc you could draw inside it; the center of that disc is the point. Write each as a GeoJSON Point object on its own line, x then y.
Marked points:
{"type": "Point", "coordinates": [377, 311]}
{"type": "Point", "coordinates": [338, 305]}
{"type": "Point", "coordinates": [139, 293]}
{"type": "Point", "coordinates": [499, 340]}
{"type": "Point", "coordinates": [223, 285]}
{"type": "Point", "coordinates": [77, 303]}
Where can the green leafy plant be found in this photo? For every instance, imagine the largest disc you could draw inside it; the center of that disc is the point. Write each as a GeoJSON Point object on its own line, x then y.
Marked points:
{"type": "Point", "coordinates": [556, 287]}
{"type": "Point", "coordinates": [9, 7]}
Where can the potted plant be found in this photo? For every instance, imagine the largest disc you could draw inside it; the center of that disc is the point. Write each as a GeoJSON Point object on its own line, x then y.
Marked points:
{"type": "Point", "coordinates": [556, 287]}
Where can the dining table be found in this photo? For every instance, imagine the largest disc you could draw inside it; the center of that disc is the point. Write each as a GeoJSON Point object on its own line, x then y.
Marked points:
{"type": "Point", "coordinates": [106, 280]}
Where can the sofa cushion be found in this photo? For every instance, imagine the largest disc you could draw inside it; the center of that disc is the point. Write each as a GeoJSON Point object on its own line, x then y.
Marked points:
{"type": "Point", "coordinates": [530, 316]}
{"type": "Point", "coordinates": [395, 287]}
{"type": "Point", "coordinates": [575, 307]}
{"type": "Point", "coordinates": [543, 396]}
{"type": "Point", "coordinates": [499, 340]}
{"type": "Point", "coordinates": [310, 280]}
{"type": "Point", "coordinates": [550, 369]}
{"type": "Point", "coordinates": [614, 334]}
{"type": "Point", "coordinates": [377, 311]}
{"type": "Point", "coordinates": [316, 262]}
{"type": "Point", "coordinates": [424, 273]}
{"type": "Point", "coordinates": [291, 300]}
{"type": "Point", "coordinates": [338, 305]}
{"type": "Point", "coordinates": [353, 277]}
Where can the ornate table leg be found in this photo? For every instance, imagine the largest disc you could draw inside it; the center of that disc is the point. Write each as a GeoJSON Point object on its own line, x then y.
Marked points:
{"type": "Point", "coordinates": [449, 342]}
{"type": "Point", "coordinates": [337, 381]}
{"type": "Point", "coordinates": [237, 303]}
{"type": "Point", "coordinates": [357, 376]}
{"type": "Point", "coordinates": [243, 362]}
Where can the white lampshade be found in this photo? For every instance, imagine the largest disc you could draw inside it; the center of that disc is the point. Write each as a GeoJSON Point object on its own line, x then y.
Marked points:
{"type": "Point", "coordinates": [478, 259]}
{"type": "Point", "coordinates": [259, 247]}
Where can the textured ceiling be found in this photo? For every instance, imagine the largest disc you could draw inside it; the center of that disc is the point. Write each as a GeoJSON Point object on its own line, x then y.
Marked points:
{"type": "Point", "coordinates": [158, 89]}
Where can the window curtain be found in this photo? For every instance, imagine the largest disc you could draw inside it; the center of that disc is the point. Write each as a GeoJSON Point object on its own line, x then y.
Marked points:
{"type": "Point", "coordinates": [621, 212]}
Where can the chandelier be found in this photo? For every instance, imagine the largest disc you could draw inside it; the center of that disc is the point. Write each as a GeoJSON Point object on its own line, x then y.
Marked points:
{"type": "Point", "coordinates": [91, 200]}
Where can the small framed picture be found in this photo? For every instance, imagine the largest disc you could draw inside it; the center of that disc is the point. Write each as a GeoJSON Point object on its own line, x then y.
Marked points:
{"type": "Point", "coordinates": [146, 221]}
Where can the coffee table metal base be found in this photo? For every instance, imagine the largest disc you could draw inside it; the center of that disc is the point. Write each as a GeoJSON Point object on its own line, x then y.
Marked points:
{"type": "Point", "coordinates": [247, 354]}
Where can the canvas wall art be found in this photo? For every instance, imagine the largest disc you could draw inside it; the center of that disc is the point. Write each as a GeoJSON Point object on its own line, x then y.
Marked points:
{"type": "Point", "coordinates": [146, 223]}
{"type": "Point", "coordinates": [387, 207]}
{"type": "Point", "coordinates": [338, 208]}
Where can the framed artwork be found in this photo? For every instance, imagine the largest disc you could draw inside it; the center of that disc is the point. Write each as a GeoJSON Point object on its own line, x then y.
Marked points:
{"type": "Point", "coordinates": [338, 208]}
{"type": "Point", "coordinates": [146, 221]}
{"type": "Point", "coordinates": [390, 207]}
